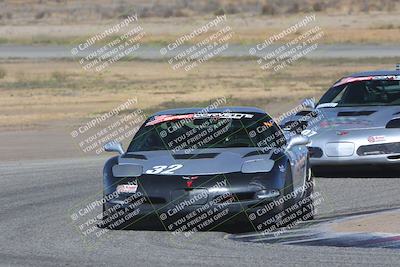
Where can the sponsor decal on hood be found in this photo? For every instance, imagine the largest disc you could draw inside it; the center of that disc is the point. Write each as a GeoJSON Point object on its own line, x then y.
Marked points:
{"type": "Point", "coordinates": [337, 122]}
{"type": "Point", "coordinates": [225, 115]}
{"type": "Point", "coordinates": [376, 138]}
{"type": "Point", "coordinates": [366, 78]}
{"type": "Point", "coordinates": [342, 133]}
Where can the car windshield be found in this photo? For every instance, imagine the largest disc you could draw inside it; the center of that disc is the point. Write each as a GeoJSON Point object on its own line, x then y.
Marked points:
{"type": "Point", "coordinates": [212, 130]}
{"type": "Point", "coordinates": [363, 93]}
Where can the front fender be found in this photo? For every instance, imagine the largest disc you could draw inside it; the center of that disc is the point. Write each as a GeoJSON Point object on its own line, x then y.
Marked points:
{"type": "Point", "coordinates": [108, 178]}
{"type": "Point", "coordinates": [282, 163]}
{"type": "Point", "coordinates": [298, 158]}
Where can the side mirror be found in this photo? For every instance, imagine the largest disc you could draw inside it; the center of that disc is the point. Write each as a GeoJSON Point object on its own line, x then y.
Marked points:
{"type": "Point", "coordinates": [297, 140]}
{"type": "Point", "coordinates": [114, 146]}
{"type": "Point", "coordinates": [309, 103]}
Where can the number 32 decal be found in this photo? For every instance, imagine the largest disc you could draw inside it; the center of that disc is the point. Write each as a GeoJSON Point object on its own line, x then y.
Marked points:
{"type": "Point", "coordinates": [163, 169]}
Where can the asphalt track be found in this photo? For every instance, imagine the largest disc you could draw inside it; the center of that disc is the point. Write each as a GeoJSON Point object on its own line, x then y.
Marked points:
{"type": "Point", "coordinates": [36, 226]}
{"type": "Point", "coordinates": [152, 52]}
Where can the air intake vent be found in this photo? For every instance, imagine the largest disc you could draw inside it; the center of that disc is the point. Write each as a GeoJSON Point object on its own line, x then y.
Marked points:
{"type": "Point", "coordinates": [195, 156]}
{"type": "Point", "coordinates": [257, 152]}
{"type": "Point", "coordinates": [393, 123]}
{"type": "Point", "coordinates": [155, 200]}
{"type": "Point", "coordinates": [295, 126]}
{"type": "Point", "coordinates": [307, 113]}
{"type": "Point", "coordinates": [133, 156]}
{"type": "Point", "coordinates": [379, 149]}
{"type": "Point", "coordinates": [355, 113]}
{"type": "Point", "coordinates": [315, 152]}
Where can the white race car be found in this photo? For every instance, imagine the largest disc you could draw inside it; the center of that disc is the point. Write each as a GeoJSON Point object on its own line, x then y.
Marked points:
{"type": "Point", "coordinates": [357, 121]}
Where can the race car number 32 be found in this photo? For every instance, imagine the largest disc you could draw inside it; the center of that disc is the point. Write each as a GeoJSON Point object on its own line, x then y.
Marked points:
{"type": "Point", "coordinates": [164, 169]}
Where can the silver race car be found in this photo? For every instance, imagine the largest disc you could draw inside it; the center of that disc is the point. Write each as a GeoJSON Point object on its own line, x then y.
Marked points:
{"type": "Point", "coordinates": [357, 121]}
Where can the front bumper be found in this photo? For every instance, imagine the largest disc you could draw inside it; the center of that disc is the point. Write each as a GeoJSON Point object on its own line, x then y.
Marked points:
{"type": "Point", "coordinates": [177, 217]}
{"type": "Point", "coordinates": [393, 159]}
{"type": "Point", "coordinates": [357, 147]}
{"type": "Point", "coordinates": [171, 201]}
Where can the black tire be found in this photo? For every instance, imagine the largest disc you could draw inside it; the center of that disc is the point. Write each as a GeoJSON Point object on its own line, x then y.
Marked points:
{"type": "Point", "coordinates": [102, 222]}
{"type": "Point", "coordinates": [392, 170]}
{"type": "Point", "coordinates": [108, 222]}
{"type": "Point", "coordinates": [288, 187]}
{"type": "Point", "coordinates": [308, 207]}
{"type": "Point", "coordinates": [287, 190]}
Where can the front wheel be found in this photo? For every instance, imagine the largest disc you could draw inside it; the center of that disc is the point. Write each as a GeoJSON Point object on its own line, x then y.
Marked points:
{"type": "Point", "coordinates": [308, 203]}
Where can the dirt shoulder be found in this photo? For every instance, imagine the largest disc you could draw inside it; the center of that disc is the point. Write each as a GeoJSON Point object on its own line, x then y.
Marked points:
{"type": "Point", "coordinates": [384, 222]}
{"type": "Point", "coordinates": [374, 27]}
{"type": "Point", "coordinates": [42, 102]}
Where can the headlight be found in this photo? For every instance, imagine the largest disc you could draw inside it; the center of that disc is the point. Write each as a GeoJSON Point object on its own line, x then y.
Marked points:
{"type": "Point", "coordinates": [257, 165]}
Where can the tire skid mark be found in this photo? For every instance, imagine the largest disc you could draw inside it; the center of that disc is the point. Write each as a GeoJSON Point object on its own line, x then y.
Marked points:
{"type": "Point", "coordinates": [320, 234]}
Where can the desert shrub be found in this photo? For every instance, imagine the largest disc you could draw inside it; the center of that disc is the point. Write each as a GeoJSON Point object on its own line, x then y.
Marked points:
{"type": "Point", "coordinates": [295, 8]}
{"type": "Point", "coordinates": [168, 12]}
{"type": "Point", "coordinates": [40, 15]}
{"type": "Point", "coordinates": [219, 12]}
{"type": "Point", "coordinates": [59, 76]}
{"type": "Point", "coordinates": [231, 9]}
{"type": "Point", "coordinates": [365, 7]}
{"type": "Point", "coordinates": [317, 7]}
{"type": "Point", "coordinates": [211, 6]}
{"type": "Point", "coordinates": [126, 13]}
{"type": "Point", "coordinates": [180, 13]}
{"type": "Point", "coordinates": [3, 73]}
{"type": "Point", "coordinates": [268, 9]}
{"type": "Point", "coordinates": [106, 14]}
{"type": "Point", "coordinates": [145, 12]}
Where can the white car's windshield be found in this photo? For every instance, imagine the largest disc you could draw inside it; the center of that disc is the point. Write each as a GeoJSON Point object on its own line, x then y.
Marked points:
{"type": "Point", "coordinates": [363, 93]}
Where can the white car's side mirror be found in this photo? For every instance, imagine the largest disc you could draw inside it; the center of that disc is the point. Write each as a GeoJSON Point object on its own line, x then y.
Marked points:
{"type": "Point", "coordinates": [297, 140]}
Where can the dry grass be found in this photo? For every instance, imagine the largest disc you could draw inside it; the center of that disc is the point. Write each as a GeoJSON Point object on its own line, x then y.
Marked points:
{"type": "Point", "coordinates": [39, 94]}
{"type": "Point", "coordinates": [358, 28]}
{"type": "Point", "coordinates": [78, 11]}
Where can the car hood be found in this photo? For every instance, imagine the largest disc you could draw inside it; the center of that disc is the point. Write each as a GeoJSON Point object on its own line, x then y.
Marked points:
{"type": "Point", "coordinates": [202, 161]}
{"type": "Point", "coordinates": [351, 118]}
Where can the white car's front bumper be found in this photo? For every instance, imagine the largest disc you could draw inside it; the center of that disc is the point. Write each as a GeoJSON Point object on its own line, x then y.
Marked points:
{"type": "Point", "coordinates": [356, 147]}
